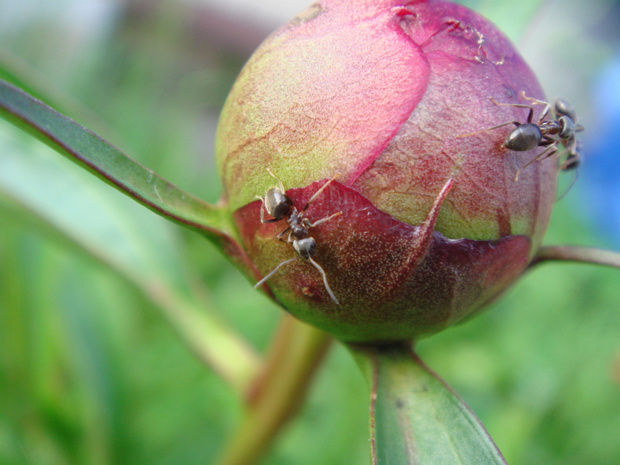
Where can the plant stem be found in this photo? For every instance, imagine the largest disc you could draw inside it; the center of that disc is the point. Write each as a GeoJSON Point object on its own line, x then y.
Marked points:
{"type": "Point", "coordinates": [200, 328]}
{"type": "Point", "coordinates": [211, 340]}
{"type": "Point", "coordinates": [577, 254]}
{"type": "Point", "coordinates": [294, 356]}
{"type": "Point", "coordinates": [415, 418]}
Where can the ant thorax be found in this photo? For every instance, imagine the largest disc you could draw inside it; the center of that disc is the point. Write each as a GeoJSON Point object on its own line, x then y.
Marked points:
{"type": "Point", "coordinates": [299, 229]}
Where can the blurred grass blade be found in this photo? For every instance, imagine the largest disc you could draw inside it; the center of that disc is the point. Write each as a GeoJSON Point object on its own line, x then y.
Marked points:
{"type": "Point", "coordinates": [108, 163]}
{"type": "Point", "coordinates": [415, 418]}
{"type": "Point", "coordinates": [18, 73]}
{"type": "Point", "coordinates": [63, 200]}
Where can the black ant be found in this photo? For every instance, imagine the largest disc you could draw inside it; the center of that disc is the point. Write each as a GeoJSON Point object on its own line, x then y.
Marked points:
{"type": "Point", "coordinates": [544, 133]}
{"type": "Point", "coordinates": [280, 206]}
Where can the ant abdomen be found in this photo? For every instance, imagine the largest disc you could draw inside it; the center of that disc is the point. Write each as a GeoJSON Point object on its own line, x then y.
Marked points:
{"type": "Point", "coordinates": [525, 137]}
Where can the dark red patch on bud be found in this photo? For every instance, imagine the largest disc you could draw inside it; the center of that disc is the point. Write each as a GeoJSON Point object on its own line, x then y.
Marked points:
{"type": "Point", "coordinates": [393, 281]}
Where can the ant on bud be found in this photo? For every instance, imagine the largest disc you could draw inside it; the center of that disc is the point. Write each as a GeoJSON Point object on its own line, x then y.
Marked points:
{"type": "Point", "coordinates": [544, 133]}
{"type": "Point", "coordinates": [280, 206]}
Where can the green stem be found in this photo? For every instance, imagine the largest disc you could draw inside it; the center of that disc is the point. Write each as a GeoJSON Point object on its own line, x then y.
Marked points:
{"type": "Point", "coordinates": [415, 418]}
{"type": "Point", "coordinates": [577, 254]}
{"type": "Point", "coordinates": [294, 357]}
{"type": "Point", "coordinates": [211, 340]}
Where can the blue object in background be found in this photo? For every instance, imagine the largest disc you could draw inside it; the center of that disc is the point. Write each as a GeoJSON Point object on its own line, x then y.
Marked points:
{"type": "Point", "coordinates": [599, 175]}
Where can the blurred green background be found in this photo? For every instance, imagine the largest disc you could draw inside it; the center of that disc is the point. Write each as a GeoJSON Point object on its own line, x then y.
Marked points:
{"type": "Point", "coordinates": [91, 373]}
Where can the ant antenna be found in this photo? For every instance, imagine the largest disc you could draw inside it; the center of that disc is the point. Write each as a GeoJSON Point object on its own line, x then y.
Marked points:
{"type": "Point", "coordinates": [277, 179]}
{"type": "Point", "coordinates": [329, 290]}
{"type": "Point", "coordinates": [258, 284]}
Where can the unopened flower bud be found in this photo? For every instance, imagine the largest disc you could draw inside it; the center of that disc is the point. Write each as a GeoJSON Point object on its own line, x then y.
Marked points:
{"type": "Point", "coordinates": [390, 104]}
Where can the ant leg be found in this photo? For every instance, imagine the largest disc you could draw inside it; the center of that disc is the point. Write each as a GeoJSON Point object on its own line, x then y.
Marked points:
{"type": "Point", "coordinates": [329, 290]}
{"type": "Point", "coordinates": [533, 99]}
{"type": "Point", "coordinates": [501, 104]}
{"type": "Point", "coordinates": [317, 193]}
{"type": "Point", "coordinates": [530, 115]}
{"type": "Point", "coordinates": [282, 233]}
{"type": "Point", "coordinates": [516, 123]}
{"type": "Point", "coordinates": [569, 163]}
{"type": "Point", "coordinates": [536, 101]}
{"type": "Point", "coordinates": [277, 179]}
{"type": "Point", "coordinates": [516, 105]}
{"type": "Point", "coordinates": [550, 150]}
{"type": "Point", "coordinates": [262, 208]}
{"type": "Point", "coordinates": [257, 285]}
{"type": "Point", "coordinates": [323, 220]}
{"type": "Point", "coordinates": [548, 142]}
{"type": "Point", "coordinates": [573, 160]}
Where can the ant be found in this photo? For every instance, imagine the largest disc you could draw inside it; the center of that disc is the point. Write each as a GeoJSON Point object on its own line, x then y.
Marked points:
{"type": "Point", "coordinates": [280, 207]}
{"type": "Point", "coordinates": [544, 133]}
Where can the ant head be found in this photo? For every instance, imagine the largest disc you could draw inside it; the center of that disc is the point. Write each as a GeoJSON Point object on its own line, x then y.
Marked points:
{"type": "Point", "coordinates": [277, 203]}
{"type": "Point", "coordinates": [568, 127]}
{"type": "Point", "coordinates": [525, 137]}
{"type": "Point", "coordinates": [306, 248]}
{"type": "Point", "coordinates": [563, 108]}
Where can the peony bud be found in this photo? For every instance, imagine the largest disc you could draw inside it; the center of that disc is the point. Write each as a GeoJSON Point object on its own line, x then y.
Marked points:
{"type": "Point", "coordinates": [395, 99]}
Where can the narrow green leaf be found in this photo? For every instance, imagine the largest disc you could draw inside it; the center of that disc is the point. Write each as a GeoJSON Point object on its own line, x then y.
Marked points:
{"type": "Point", "coordinates": [56, 196]}
{"type": "Point", "coordinates": [108, 163]}
{"type": "Point", "coordinates": [102, 159]}
{"type": "Point", "coordinates": [415, 418]}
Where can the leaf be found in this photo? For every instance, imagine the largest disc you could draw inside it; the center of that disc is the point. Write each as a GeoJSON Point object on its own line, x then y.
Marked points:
{"type": "Point", "coordinates": [108, 163]}
{"type": "Point", "coordinates": [62, 200]}
{"type": "Point", "coordinates": [415, 418]}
